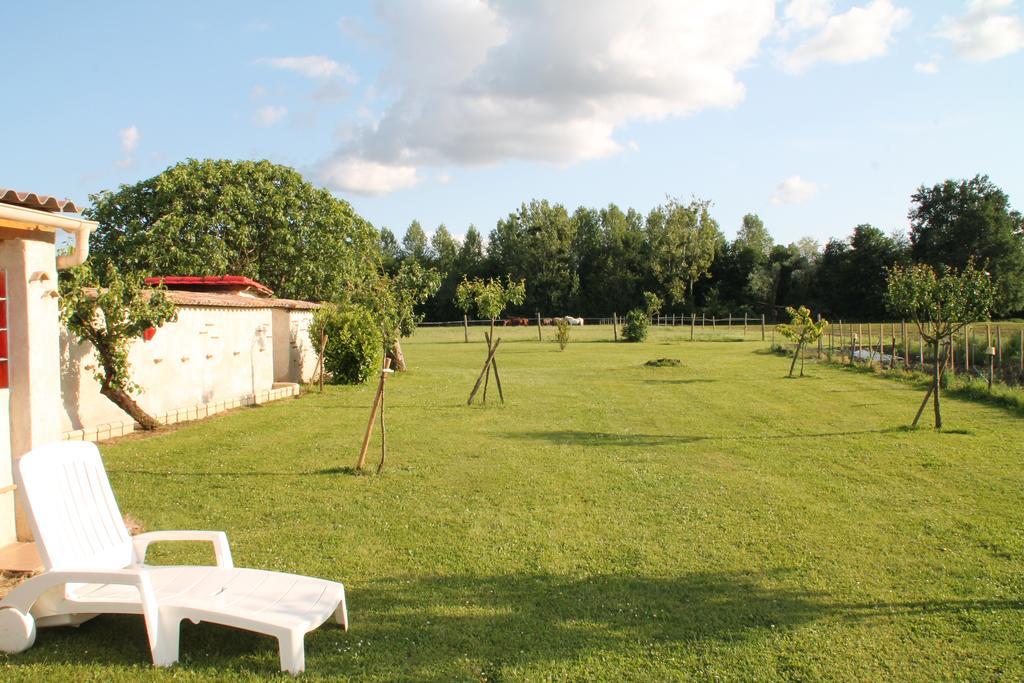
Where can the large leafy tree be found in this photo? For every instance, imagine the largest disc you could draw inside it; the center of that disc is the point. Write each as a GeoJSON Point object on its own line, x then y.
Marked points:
{"type": "Point", "coordinates": [416, 245]}
{"type": "Point", "coordinates": [956, 221]}
{"type": "Point", "coordinates": [683, 239]}
{"type": "Point", "coordinates": [753, 235]}
{"type": "Point", "coordinates": [252, 218]}
{"type": "Point", "coordinates": [851, 278]}
{"type": "Point", "coordinates": [535, 244]}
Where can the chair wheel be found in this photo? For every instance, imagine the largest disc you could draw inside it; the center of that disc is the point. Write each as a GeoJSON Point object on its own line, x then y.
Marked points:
{"type": "Point", "coordinates": [17, 630]}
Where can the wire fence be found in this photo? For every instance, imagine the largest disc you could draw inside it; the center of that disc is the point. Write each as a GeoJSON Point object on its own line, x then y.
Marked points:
{"type": "Point", "coordinates": [985, 351]}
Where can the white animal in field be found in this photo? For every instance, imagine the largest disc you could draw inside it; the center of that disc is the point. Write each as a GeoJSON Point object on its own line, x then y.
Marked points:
{"type": "Point", "coordinates": [574, 321]}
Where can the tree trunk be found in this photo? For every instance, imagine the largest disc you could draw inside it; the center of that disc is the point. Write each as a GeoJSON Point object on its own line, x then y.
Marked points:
{"type": "Point", "coordinates": [795, 354]}
{"type": "Point", "coordinates": [126, 403]}
{"type": "Point", "coordinates": [936, 373]}
{"type": "Point", "coordinates": [122, 399]}
{"type": "Point", "coordinates": [396, 356]}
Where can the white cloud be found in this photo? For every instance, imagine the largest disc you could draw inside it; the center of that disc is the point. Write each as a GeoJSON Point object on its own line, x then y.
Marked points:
{"type": "Point", "coordinates": [368, 177]}
{"type": "Point", "coordinates": [930, 67]}
{"type": "Point", "coordinates": [794, 190]}
{"type": "Point", "coordinates": [314, 66]}
{"type": "Point", "coordinates": [129, 139]}
{"type": "Point", "coordinates": [482, 82]}
{"type": "Point", "coordinates": [857, 35]}
{"type": "Point", "coordinates": [258, 92]}
{"type": "Point", "coordinates": [270, 114]}
{"type": "Point", "coordinates": [985, 32]}
{"type": "Point", "coordinates": [801, 15]}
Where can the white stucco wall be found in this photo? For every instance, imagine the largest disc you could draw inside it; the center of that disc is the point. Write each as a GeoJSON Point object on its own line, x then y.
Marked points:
{"type": "Point", "coordinates": [295, 357]}
{"type": "Point", "coordinates": [209, 355]}
{"type": "Point", "coordinates": [8, 531]}
{"type": "Point", "coordinates": [33, 324]}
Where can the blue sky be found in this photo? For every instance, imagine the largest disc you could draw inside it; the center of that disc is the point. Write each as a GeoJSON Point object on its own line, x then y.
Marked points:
{"type": "Point", "coordinates": [815, 114]}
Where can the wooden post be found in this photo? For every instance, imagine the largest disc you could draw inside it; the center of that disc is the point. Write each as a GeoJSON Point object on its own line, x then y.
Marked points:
{"type": "Point", "coordinates": [693, 322]}
{"type": "Point", "coordinates": [465, 326]}
{"type": "Point", "coordinates": [821, 342]}
{"type": "Point", "coordinates": [539, 335]}
{"type": "Point", "coordinates": [713, 325]}
{"type": "Point", "coordinates": [967, 350]}
{"type": "Point", "coordinates": [762, 327]}
{"type": "Point", "coordinates": [497, 378]}
{"type": "Point", "coordinates": [991, 355]}
{"type": "Point", "coordinates": [320, 363]}
{"type": "Point", "coordinates": [385, 371]}
{"type": "Point", "coordinates": [892, 356]}
{"type": "Point", "coordinates": [906, 351]}
{"type": "Point", "coordinates": [383, 431]}
{"type": "Point", "coordinates": [615, 326]}
{"type": "Point", "coordinates": [703, 321]}
{"type": "Point", "coordinates": [999, 347]}
{"type": "Point", "coordinates": [483, 370]}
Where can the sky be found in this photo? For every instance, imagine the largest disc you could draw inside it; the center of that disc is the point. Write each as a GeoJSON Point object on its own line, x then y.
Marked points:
{"type": "Point", "coordinates": [817, 115]}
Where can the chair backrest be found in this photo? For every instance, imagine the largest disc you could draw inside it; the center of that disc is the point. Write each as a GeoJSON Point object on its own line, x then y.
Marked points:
{"type": "Point", "coordinates": [74, 517]}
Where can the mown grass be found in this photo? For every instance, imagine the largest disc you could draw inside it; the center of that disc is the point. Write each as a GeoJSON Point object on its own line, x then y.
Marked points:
{"type": "Point", "coordinates": [610, 522]}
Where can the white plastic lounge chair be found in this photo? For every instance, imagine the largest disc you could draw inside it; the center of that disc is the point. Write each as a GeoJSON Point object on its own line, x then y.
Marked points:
{"type": "Point", "coordinates": [93, 566]}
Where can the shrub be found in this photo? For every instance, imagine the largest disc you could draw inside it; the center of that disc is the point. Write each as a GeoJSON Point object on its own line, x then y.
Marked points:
{"type": "Point", "coordinates": [635, 327]}
{"type": "Point", "coordinates": [354, 343]}
{"type": "Point", "coordinates": [562, 334]}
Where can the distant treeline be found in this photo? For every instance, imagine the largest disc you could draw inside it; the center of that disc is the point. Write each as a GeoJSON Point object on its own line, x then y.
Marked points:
{"type": "Point", "coordinates": [592, 262]}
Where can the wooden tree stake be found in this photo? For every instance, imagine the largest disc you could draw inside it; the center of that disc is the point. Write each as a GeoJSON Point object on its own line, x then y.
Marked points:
{"type": "Point", "coordinates": [320, 363]}
{"type": "Point", "coordinates": [480, 378]}
{"type": "Point", "coordinates": [385, 371]}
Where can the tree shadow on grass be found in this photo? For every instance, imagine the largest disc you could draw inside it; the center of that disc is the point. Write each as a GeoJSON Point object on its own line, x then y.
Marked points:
{"type": "Point", "coordinates": [455, 627]}
{"type": "Point", "coordinates": [678, 381]}
{"type": "Point", "coordinates": [569, 437]}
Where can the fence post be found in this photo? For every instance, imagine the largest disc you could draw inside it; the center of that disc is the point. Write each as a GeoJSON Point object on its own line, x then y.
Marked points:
{"type": "Point", "coordinates": [967, 350]}
{"type": "Point", "coordinates": [744, 325]}
{"type": "Point", "coordinates": [465, 326]}
{"type": "Point", "coordinates": [615, 326]}
{"type": "Point", "coordinates": [714, 326]}
{"type": "Point", "coordinates": [693, 321]}
{"type": "Point", "coordinates": [762, 327]}
{"type": "Point", "coordinates": [540, 337]}
{"type": "Point", "coordinates": [999, 348]}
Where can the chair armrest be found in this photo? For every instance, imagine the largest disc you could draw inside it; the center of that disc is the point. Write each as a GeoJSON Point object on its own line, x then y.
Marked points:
{"type": "Point", "coordinates": [23, 596]}
{"type": "Point", "coordinates": [218, 538]}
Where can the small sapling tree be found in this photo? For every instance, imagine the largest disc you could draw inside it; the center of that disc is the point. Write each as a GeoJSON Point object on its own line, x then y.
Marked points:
{"type": "Point", "coordinates": [109, 312]}
{"type": "Point", "coordinates": [490, 298]}
{"type": "Point", "coordinates": [801, 329]}
{"type": "Point", "coordinates": [940, 304]}
{"type": "Point", "coordinates": [562, 333]}
{"type": "Point", "coordinates": [395, 300]}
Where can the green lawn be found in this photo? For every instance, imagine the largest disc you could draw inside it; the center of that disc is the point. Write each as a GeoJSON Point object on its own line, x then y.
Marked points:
{"type": "Point", "coordinates": [609, 522]}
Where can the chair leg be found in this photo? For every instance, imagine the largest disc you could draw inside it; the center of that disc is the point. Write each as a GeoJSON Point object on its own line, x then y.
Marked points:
{"type": "Point", "coordinates": [293, 651]}
{"type": "Point", "coordinates": [165, 652]}
{"type": "Point", "coordinates": [341, 613]}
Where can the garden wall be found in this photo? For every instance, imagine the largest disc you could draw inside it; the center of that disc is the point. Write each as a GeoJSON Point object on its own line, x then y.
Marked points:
{"type": "Point", "coordinates": [223, 351]}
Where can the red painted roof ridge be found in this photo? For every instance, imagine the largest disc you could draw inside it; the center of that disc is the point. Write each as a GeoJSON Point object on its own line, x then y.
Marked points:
{"type": "Point", "coordinates": [214, 280]}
